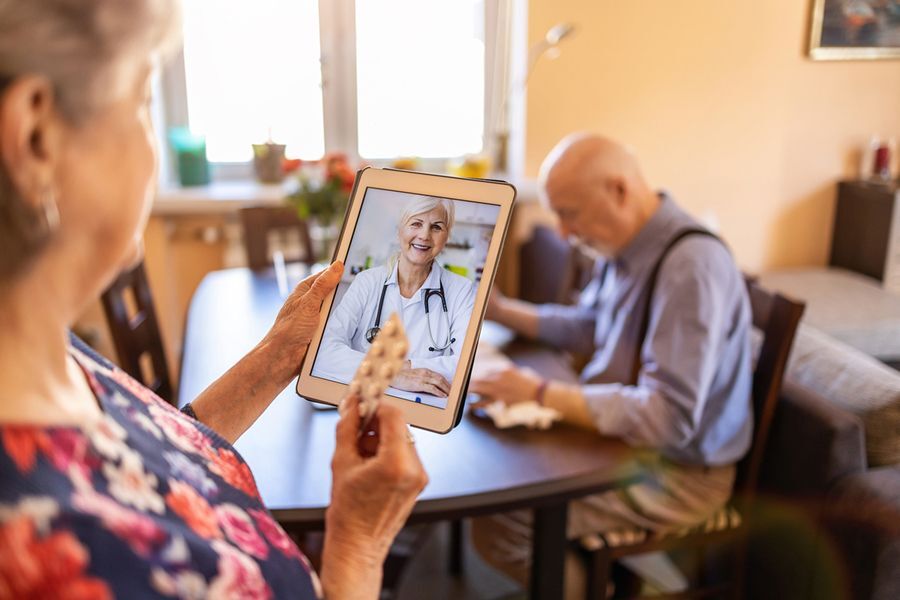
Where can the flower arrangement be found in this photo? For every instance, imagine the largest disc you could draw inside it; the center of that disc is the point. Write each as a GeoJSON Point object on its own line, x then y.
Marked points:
{"type": "Point", "coordinates": [324, 187]}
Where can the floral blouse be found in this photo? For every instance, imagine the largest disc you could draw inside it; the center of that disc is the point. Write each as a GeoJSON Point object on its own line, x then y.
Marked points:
{"type": "Point", "coordinates": [146, 503]}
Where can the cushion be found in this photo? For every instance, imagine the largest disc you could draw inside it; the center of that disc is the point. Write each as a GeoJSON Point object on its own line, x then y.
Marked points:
{"type": "Point", "coordinates": [864, 521]}
{"type": "Point", "coordinates": [812, 444]}
{"type": "Point", "coordinates": [855, 382]}
{"type": "Point", "coordinates": [851, 307]}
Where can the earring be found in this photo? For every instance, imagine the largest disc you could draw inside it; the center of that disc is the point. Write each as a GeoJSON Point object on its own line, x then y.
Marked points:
{"type": "Point", "coordinates": [51, 210]}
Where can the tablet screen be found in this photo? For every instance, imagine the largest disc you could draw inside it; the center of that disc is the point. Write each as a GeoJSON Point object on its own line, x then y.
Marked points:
{"type": "Point", "coordinates": [418, 256]}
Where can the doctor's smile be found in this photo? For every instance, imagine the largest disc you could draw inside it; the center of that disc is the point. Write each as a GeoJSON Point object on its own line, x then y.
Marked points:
{"type": "Point", "coordinates": [424, 237]}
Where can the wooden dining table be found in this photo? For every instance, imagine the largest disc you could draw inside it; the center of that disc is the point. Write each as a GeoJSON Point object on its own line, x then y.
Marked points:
{"type": "Point", "coordinates": [476, 469]}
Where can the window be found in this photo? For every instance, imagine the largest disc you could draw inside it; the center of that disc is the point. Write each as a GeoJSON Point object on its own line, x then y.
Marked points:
{"type": "Point", "coordinates": [377, 79]}
{"type": "Point", "coordinates": [420, 77]}
{"type": "Point", "coordinates": [252, 73]}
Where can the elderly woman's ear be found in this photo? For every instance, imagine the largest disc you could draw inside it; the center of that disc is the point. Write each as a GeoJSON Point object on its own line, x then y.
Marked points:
{"type": "Point", "coordinates": [30, 136]}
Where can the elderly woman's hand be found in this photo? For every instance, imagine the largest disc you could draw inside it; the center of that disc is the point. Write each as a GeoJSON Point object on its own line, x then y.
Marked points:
{"type": "Point", "coordinates": [372, 494]}
{"type": "Point", "coordinates": [289, 337]}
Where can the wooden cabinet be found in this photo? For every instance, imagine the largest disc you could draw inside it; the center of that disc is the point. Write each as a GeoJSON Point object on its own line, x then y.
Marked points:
{"type": "Point", "coordinates": [866, 233]}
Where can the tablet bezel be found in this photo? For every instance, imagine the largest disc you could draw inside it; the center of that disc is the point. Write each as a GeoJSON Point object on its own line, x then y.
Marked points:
{"type": "Point", "coordinates": [498, 193]}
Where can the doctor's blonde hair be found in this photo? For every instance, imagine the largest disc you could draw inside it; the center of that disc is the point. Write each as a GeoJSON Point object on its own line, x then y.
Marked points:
{"type": "Point", "coordinates": [424, 204]}
{"type": "Point", "coordinates": [419, 206]}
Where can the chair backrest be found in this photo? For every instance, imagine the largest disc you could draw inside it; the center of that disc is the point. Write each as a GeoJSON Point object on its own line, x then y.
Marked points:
{"type": "Point", "coordinates": [129, 309]}
{"type": "Point", "coordinates": [261, 222]}
{"type": "Point", "coordinates": [551, 269]}
{"type": "Point", "coordinates": [776, 317]}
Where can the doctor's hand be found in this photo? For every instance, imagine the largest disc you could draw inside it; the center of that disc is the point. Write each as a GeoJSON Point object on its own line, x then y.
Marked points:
{"type": "Point", "coordinates": [371, 497]}
{"type": "Point", "coordinates": [510, 386]}
{"type": "Point", "coordinates": [422, 380]}
{"type": "Point", "coordinates": [286, 342]}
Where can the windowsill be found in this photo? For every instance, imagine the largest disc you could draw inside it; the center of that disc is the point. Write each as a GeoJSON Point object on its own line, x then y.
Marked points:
{"type": "Point", "coordinates": [220, 197]}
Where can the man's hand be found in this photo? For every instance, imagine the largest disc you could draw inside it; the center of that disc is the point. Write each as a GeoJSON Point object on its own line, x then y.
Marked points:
{"type": "Point", "coordinates": [494, 310]}
{"type": "Point", "coordinates": [510, 385]}
{"type": "Point", "coordinates": [518, 315]}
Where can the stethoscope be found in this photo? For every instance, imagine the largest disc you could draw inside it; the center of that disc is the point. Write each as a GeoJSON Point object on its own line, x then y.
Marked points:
{"type": "Point", "coordinates": [429, 292]}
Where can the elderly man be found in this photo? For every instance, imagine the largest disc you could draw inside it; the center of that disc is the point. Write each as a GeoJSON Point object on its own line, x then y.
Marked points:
{"type": "Point", "coordinates": [666, 321]}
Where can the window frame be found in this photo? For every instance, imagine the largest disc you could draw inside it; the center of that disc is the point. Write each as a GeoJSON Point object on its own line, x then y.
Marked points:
{"type": "Point", "coordinates": [337, 27]}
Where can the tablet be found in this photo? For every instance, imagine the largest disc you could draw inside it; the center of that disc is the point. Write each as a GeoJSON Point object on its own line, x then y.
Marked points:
{"type": "Point", "coordinates": [425, 247]}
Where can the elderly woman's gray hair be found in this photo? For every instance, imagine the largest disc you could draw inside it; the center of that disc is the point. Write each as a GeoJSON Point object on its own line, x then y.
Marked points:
{"type": "Point", "coordinates": [90, 51]}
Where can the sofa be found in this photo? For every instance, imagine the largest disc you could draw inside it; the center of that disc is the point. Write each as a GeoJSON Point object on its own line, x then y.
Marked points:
{"type": "Point", "coordinates": [848, 306]}
{"type": "Point", "coordinates": [830, 503]}
{"type": "Point", "coordinates": [827, 524]}
{"type": "Point", "coordinates": [829, 515]}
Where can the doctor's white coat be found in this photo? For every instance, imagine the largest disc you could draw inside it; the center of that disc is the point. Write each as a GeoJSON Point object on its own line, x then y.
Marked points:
{"type": "Point", "coordinates": [344, 342]}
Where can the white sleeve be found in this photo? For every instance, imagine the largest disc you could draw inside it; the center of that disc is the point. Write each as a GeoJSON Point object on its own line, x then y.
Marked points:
{"type": "Point", "coordinates": [461, 313]}
{"type": "Point", "coordinates": [337, 359]}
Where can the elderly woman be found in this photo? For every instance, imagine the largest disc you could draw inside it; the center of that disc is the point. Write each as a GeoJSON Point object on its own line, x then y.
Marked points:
{"type": "Point", "coordinates": [434, 305]}
{"type": "Point", "coordinates": [105, 490]}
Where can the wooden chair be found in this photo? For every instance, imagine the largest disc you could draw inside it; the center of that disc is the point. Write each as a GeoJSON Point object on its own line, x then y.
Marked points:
{"type": "Point", "coordinates": [261, 223]}
{"type": "Point", "coordinates": [777, 318]}
{"type": "Point", "coordinates": [129, 309]}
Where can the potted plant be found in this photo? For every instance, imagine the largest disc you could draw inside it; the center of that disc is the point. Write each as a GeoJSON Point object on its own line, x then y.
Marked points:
{"type": "Point", "coordinates": [323, 191]}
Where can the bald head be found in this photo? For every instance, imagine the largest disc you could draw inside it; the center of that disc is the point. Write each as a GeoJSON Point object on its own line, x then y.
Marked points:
{"type": "Point", "coordinates": [582, 157]}
{"type": "Point", "coordinates": [596, 187]}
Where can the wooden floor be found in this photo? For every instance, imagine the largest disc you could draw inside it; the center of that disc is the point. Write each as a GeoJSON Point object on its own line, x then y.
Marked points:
{"type": "Point", "coordinates": [426, 575]}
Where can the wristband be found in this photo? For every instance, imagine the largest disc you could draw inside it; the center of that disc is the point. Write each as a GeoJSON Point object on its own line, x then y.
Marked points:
{"type": "Point", "coordinates": [542, 388]}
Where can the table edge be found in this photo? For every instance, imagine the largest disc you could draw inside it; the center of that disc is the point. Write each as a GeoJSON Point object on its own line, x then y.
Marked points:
{"type": "Point", "coordinates": [531, 496]}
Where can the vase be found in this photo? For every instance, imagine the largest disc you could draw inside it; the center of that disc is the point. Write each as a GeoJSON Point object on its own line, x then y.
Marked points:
{"type": "Point", "coordinates": [324, 237]}
{"type": "Point", "coordinates": [268, 162]}
{"type": "Point", "coordinates": [190, 155]}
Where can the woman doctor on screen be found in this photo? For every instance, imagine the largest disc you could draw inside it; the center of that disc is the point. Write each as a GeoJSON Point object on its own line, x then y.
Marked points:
{"type": "Point", "coordinates": [434, 305]}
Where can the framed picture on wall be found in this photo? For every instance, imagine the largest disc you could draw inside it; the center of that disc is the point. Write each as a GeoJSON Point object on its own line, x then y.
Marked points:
{"type": "Point", "coordinates": [855, 29]}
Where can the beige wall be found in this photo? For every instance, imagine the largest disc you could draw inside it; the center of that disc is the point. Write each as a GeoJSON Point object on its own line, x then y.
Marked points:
{"type": "Point", "coordinates": [177, 258]}
{"type": "Point", "coordinates": [723, 108]}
